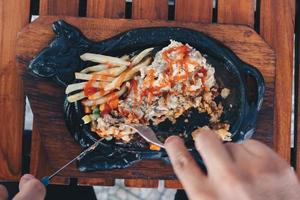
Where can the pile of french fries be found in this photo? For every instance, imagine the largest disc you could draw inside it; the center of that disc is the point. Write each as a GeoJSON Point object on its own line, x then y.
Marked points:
{"type": "Point", "coordinates": [108, 77]}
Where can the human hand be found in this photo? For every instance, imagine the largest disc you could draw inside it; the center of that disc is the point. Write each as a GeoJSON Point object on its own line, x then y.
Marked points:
{"type": "Point", "coordinates": [30, 189]}
{"type": "Point", "coordinates": [245, 171]}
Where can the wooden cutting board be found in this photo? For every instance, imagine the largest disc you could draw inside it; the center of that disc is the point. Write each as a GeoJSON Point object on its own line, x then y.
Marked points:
{"type": "Point", "coordinates": [53, 145]}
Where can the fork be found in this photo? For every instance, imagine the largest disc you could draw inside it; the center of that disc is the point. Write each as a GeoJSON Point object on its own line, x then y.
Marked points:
{"type": "Point", "coordinates": [147, 133]}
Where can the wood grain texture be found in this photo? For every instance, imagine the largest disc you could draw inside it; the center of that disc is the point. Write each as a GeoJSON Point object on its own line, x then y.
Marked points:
{"type": "Point", "coordinates": [277, 28]}
{"type": "Point", "coordinates": [14, 15]}
{"type": "Point", "coordinates": [59, 7]}
{"type": "Point", "coordinates": [193, 10]}
{"type": "Point", "coordinates": [142, 183]}
{"type": "Point", "coordinates": [149, 9]}
{"type": "Point", "coordinates": [47, 98]}
{"type": "Point", "coordinates": [106, 8]}
{"type": "Point", "coordinates": [297, 86]}
{"type": "Point", "coordinates": [173, 184]}
{"type": "Point", "coordinates": [236, 12]}
{"type": "Point", "coordinates": [95, 181]}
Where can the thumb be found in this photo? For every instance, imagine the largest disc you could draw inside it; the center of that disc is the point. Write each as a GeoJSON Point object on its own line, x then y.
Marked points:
{"type": "Point", "coordinates": [30, 189]}
{"type": "Point", "coordinates": [3, 193]}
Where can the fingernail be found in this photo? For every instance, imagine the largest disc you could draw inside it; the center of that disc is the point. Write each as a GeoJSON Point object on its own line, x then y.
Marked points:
{"type": "Point", "coordinates": [171, 138]}
{"type": "Point", "coordinates": [27, 176]}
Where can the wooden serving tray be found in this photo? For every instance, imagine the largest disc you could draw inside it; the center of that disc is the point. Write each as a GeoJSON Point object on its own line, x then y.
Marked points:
{"type": "Point", "coordinates": [52, 144]}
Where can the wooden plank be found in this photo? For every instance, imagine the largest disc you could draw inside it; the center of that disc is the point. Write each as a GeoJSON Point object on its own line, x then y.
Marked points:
{"type": "Point", "coordinates": [149, 9]}
{"type": "Point", "coordinates": [277, 28]}
{"type": "Point", "coordinates": [297, 93]}
{"type": "Point", "coordinates": [14, 15]}
{"type": "Point", "coordinates": [193, 10]}
{"type": "Point", "coordinates": [106, 8]}
{"type": "Point", "coordinates": [47, 98]}
{"type": "Point", "coordinates": [95, 181]}
{"type": "Point", "coordinates": [236, 12]}
{"type": "Point", "coordinates": [59, 7]}
{"type": "Point", "coordinates": [142, 183]}
{"type": "Point", "coordinates": [173, 184]}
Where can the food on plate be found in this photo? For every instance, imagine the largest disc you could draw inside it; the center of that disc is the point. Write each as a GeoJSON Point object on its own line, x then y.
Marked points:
{"type": "Point", "coordinates": [147, 88]}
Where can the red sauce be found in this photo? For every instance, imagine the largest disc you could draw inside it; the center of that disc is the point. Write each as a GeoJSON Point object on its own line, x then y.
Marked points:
{"type": "Point", "coordinates": [106, 109]}
{"type": "Point", "coordinates": [134, 88]}
{"type": "Point", "coordinates": [182, 60]}
{"type": "Point", "coordinates": [204, 72]}
{"type": "Point", "coordinates": [181, 54]}
{"type": "Point", "coordinates": [89, 89]}
{"type": "Point", "coordinates": [113, 104]}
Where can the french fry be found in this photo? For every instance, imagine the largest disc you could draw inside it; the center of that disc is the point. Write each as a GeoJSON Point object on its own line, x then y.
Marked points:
{"type": "Point", "coordinates": [125, 57]}
{"type": "Point", "coordinates": [113, 71]}
{"type": "Point", "coordinates": [98, 95]}
{"type": "Point", "coordinates": [95, 68]}
{"type": "Point", "coordinates": [98, 58]}
{"type": "Point", "coordinates": [106, 98]}
{"type": "Point", "coordinates": [98, 77]}
{"type": "Point", "coordinates": [74, 87]}
{"type": "Point", "coordinates": [80, 86]}
{"type": "Point", "coordinates": [76, 97]}
{"type": "Point", "coordinates": [126, 75]}
{"type": "Point", "coordinates": [133, 58]}
{"type": "Point", "coordinates": [87, 110]}
{"type": "Point", "coordinates": [141, 56]}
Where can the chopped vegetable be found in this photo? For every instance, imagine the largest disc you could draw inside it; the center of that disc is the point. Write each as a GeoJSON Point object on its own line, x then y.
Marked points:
{"type": "Point", "coordinates": [113, 104]}
{"type": "Point", "coordinates": [87, 110]}
{"type": "Point", "coordinates": [154, 147]}
{"type": "Point", "coordinates": [96, 110]}
{"type": "Point", "coordinates": [86, 119]}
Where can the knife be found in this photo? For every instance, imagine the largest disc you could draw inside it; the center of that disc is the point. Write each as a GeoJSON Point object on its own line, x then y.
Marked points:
{"type": "Point", "coordinates": [46, 179]}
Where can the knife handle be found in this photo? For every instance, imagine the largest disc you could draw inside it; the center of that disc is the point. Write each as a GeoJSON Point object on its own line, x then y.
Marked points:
{"type": "Point", "coordinates": [45, 180]}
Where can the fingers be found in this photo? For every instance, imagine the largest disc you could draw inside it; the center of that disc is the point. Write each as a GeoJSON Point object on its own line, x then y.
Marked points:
{"type": "Point", "coordinates": [264, 153]}
{"type": "Point", "coordinates": [3, 193]}
{"type": "Point", "coordinates": [212, 151]}
{"type": "Point", "coordinates": [24, 179]}
{"type": "Point", "coordinates": [30, 189]}
{"type": "Point", "coordinates": [185, 167]}
{"type": "Point", "coordinates": [257, 148]}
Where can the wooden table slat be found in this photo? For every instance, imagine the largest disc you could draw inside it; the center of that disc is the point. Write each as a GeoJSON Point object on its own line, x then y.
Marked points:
{"type": "Point", "coordinates": [297, 94]}
{"type": "Point", "coordinates": [95, 181]}
{"type": "Point", "coordinates": [277, 18]}
{"type": "Point", "coordinates": [173, 184]}
{"type": "Point", "coordinates": [142, 183]}
{"type": "Point", "coordinates": [149, 9]}
{"type": "Point", "coordinates": [106, 8]}
{"type": "Point", "coordinates": [59, 7]}
{"type": "Point", "coordinates": [236, 12]}
{"type": "Point", "coordinates": [193, 10]}
{"type": "Point", "coordinates": [14, 16]}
